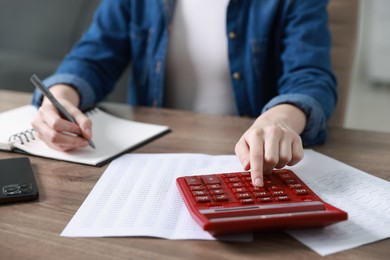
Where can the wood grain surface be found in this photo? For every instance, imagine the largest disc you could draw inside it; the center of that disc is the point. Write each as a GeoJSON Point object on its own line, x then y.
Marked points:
{"type": "Point", "coordinates": [32, 230]}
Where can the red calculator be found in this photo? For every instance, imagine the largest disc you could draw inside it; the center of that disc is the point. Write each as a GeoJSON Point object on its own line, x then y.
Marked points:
{"type": "Point", "coordinates": [227, 203]}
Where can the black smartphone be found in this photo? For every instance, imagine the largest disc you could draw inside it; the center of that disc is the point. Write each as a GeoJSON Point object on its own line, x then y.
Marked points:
{"type": "Point", "coordinates": [17, 181]}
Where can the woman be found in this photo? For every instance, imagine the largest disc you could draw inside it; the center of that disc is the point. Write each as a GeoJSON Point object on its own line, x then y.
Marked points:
{"type": "Point", "coordinates": [266, 59]}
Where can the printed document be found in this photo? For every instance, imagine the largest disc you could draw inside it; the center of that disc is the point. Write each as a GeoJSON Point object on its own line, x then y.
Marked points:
{"type": "Point", "coordinates": [366, 198]}
{"type": "Point", "coordinates": [137, 196]}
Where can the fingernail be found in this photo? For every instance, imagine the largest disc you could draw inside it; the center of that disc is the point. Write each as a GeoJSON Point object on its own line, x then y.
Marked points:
{"type": "Point", "coordinates": [258, 182]}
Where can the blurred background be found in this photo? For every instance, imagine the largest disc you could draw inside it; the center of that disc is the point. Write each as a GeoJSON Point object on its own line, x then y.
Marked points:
{"type": "Point", "coordinates": [36, 34]}
{"type": "Point", "coordinates": [368, 105]}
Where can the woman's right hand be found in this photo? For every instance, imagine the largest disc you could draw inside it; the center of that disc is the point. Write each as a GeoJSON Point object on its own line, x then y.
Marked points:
{"type": "Point", "coordinates": [57, 132]}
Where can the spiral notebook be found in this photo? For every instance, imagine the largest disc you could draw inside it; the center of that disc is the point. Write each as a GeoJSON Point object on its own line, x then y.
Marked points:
{"type": "Point", "coordinates": [112, 136]}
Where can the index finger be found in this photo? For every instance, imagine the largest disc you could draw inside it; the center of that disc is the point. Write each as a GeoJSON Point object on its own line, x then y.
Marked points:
{"type": "Point", "coordinates": [256, 155]}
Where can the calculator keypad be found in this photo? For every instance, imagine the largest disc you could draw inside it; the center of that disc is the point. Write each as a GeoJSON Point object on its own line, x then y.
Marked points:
{"type": "Point", "coordinates": [280, 186]}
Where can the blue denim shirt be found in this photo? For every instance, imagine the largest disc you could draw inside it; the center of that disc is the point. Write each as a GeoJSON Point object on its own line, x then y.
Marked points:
{"type": "Point", "coordinates": [279, 52]}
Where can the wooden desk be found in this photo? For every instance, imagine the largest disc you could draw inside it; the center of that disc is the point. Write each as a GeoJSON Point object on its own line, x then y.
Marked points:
{"type": "Point", "coordinates": [31, 230]}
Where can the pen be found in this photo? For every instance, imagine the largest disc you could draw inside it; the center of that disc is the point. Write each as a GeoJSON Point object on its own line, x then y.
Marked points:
{"type": "Point", "coordinates": [39, 84]}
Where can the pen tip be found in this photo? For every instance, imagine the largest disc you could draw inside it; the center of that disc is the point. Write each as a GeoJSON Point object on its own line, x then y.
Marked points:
{"type": "Point", "coordinates": [91, 144]}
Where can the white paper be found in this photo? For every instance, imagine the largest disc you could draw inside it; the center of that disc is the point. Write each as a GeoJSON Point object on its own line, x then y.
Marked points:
{"type": "Point", "coordinates": [137, 196]}
{"type": "Point", "coordinates": [364, 197]}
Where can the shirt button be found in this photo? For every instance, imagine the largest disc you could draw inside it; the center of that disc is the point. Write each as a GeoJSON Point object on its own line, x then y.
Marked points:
{"type": "Point", "coordinates": [236, 76]}
{"type": "Point", "coordinates": [232, 35]}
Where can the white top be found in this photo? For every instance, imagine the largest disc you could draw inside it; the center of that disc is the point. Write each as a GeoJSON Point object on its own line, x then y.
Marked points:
{"type": "Point", "coordinates": [197, 73]}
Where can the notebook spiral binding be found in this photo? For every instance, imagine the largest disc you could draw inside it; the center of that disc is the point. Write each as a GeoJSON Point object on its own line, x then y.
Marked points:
{"type": "Point", "coordinates": [23, 137]}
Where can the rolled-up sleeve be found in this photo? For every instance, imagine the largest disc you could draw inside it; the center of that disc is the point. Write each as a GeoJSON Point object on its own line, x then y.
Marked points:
{"type": "Point", "coordinates": [315, 129]}
{"type": "Point", "coordinates": [307, 80]}
{"type": "Point", "coordinates": [86, 93]}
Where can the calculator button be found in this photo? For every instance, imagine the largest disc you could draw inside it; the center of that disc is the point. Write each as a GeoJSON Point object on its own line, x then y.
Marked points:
{"type": "Point", "coordinates": [289, 181]}
{"type": "Point", "coordinates": [282, 198]}
{"type": "Point", "coordinates": [200, 192]}
{"type": "Point", "coordinates": [269, 182]}
{"type": "Point", "coordinates": [216, 192]}
{"type": "Point", "coordinates": [253, 189]}
{"type": "Point", "coordinates": [222, 197]}
{"type": "Point", "coordinates": [193, 181]}
{"type": "Point", "coordinates": [210, 179]}
{"type": "Point", "coordinates": [199, 187]}
{"type": "Point", "coordinates": [236, 185]}
{"type": "Point", "coordinates": [202, 199]}
{"type": "Point", "coordinates": [245, 174]}
{"type": "Point", "coordinates": [274, 187]}
{"type": "Point", "coordinates": [277, 193]}
{"type": "Point", "coordinates": [265, 199]}
{"type": "Point", "coordinates": [259, 194]}
{"type": "Point", "coordinates": [234, 179]}
{"type": "Point", "coordinates": [243, 195]}
{"type": "Point", "coordinates": [239, 190]}
{"type": "Point", "coordinates": [214, 186]}
{"type": "Point", "coordinates": [300, 192]}
{"type": "Point", "coordinates": [295, 186]}
{"type": "Point", "coordinates": [247, 179]}
{"type": "Point", "coordinates": [247, 201]}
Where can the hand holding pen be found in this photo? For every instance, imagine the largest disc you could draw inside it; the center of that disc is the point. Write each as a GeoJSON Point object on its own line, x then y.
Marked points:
{"type": "Point", "coordinates": [63, 112]}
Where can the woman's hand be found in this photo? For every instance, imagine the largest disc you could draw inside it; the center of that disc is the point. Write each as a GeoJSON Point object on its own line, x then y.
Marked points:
{"type": "Point", "coordinates": [272, 141]}
{"type": "Point", "coordinates": [57, 132]}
